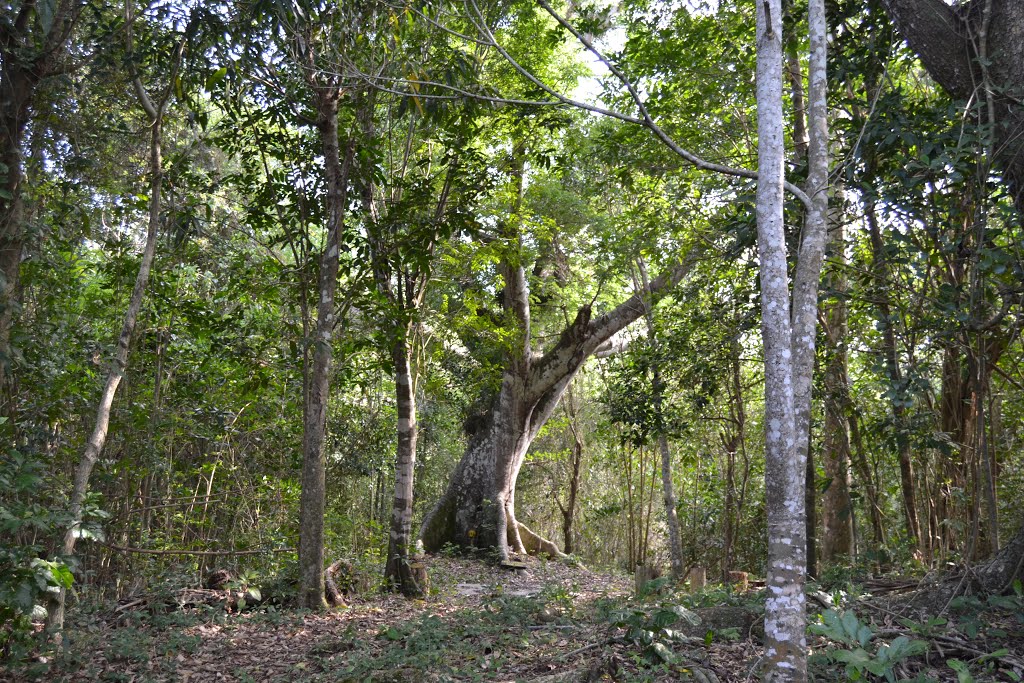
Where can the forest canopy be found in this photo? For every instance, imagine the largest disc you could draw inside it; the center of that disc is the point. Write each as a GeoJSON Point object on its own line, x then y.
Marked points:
{"type": "Point", "coordinates": [289, 289]}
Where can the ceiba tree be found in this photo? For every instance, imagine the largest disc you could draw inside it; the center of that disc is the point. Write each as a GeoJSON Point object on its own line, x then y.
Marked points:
{"type": "Point", "coordinates": [478, 507]}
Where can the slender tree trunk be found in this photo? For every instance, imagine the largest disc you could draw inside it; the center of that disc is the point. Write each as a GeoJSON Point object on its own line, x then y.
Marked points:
{"type": "Point", "coordinates": [897, 389]}
{"type": "Point", "coordinates": [811, 510]}
{"type": "Point", "coordinates": [675, 542]}
{"type": "Point", "coordinates": [837, 509]}
{"type": "Point", "coordinates": [398, 569]}
{"type": "Point", "coordinates": [576, 463]}
{"type": "Point", "coordinates": [788, 341]}
{"type": "Point", "coordinates": [980, 380]}
{"type": "Point", "coordinates": [785, 649]}
{"type": "Point", "coordinates": [312, 498]}
{"type": "Point", "coordinates": [569, 512]}
{"type": "Point", "coordinates": [953, 423]}
{"type": "Point", "coordinates": [98, 437]}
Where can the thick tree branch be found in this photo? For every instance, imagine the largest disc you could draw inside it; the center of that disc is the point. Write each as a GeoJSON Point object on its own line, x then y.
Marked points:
{"type": "Point", "coordinates": [585, 335]}
{"type": "Point", "coordinates": [933, 30]}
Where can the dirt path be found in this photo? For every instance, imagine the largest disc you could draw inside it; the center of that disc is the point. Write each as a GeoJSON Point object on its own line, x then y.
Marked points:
{"type": "Point", "coordinates": [548, 622]}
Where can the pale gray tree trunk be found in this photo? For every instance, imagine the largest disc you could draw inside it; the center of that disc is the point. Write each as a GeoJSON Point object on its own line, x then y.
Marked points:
{"type": "Point", "coordinates": [312, 498]}
{"type": "Point", "coordinates": [155, 112]}
{"type": "Point", "coordinates": [400, 542]}
{"type": "Point", "coordinates": [788, 332]}
{"type": "Point", "coordinates": [785, 643]}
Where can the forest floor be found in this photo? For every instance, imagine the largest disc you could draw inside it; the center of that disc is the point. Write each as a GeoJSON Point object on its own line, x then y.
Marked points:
{"type": "Point", "coordinates": [548, 623]}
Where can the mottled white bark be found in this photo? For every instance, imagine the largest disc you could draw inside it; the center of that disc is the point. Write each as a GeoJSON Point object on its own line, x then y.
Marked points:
{"type": "Point", "coordinates": [788, 331]}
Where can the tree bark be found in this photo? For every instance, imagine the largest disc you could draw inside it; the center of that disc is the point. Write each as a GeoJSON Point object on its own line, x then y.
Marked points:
{"type": "Point", "coordinates": [837, 509]}
{"type": "Point", "coordinates": [811, 511]}
{"type": "Point", "coordinates": [312, 498]}
{"type": "Point", "coordinates": [478, 506]}
{"type": "Point", "coordinates": [785, 648]}
{"type": "Point", "coordinates": [788, 333]}
{"type": "Point", "coordinates": [575, 464]}
{"type": "Point", "coordinates": [398, 569]}
{"type": "Point", "coordinates": [402, 283]}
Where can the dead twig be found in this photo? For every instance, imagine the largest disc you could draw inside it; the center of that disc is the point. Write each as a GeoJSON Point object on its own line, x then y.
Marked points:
{"type": "Point", "coordinates": [201, 553]}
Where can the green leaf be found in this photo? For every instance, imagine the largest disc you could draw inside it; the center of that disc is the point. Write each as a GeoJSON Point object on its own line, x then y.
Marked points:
{"type": "Point", "coordinates": [24, 596]}
{"type": "Point", "coordinates": [691, 617]}
{"type": "Point", "coordinates": [664, 654]}
{"type": "Point", "coordinates": [216, 77]}
{"type": "Point", "coordinates": [963, 674]}
{"type": "Point", "coordinates": [61, 575]}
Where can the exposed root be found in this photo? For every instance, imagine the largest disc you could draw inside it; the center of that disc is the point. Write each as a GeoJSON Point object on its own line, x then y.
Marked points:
{"type": "Point", "coordinates": [536, 545]}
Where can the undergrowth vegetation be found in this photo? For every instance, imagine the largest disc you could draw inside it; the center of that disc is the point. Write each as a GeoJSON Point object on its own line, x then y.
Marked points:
{"type": "Point", "coordinates": [551, 622]}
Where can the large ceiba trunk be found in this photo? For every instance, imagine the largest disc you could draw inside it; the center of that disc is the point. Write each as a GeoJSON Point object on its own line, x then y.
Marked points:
{"type": "Point", "coordinates": [478, 507]}
{"type": "Point", "coordinates": [975, 50]}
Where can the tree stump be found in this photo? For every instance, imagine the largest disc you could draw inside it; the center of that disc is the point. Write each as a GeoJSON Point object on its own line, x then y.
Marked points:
{"type": "Point", "coordinates": [642, 575]}
{"type": "Point", "coordinates": [740, 581]}
{"type": "Point", "coordinates": [697, 578]}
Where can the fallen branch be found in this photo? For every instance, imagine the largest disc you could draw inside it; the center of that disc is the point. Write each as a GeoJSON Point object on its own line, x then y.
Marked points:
{"type": "Point", "coordinates": [544, 627]}
{"type": "Point", "coordinates": [202, 553]}
{"type": "Point", "coordinates": [585, 648]}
